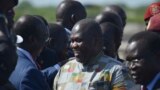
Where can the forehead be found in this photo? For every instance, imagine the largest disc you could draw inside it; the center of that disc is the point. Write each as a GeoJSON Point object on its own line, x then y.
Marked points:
{"type": "Point", "coordinates": [137, 50]}
{"type": "Point", "coordinates": [77, 31]}
{"type": "Point", "coordinates": [82, 34]}
{"type": "Point", "coordinates": [132, 49]}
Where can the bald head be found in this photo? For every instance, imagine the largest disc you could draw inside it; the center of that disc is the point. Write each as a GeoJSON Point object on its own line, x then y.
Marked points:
{"type": "Point", "coordinates": [30, 26]}
{"type": "Point", "coordinates": [142, 54]}
{"type": "Point", "coordinates": [109, 17]}
{"type": "Point", "coordinates": [34, 33]}
{"type": "Point", "coordinates": [147, 40]}
{"type": "Point", "coordinates": [69, 12]}
{"type": "Point", "coordinates": [118, 10]}
{"type": "Point", "coordinates": [86, 40]}
{"type": "Point", "coordinates": [87, 26]}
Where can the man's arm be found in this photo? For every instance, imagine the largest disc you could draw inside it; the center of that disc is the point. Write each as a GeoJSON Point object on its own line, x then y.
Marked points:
{"type": "Point", "coordinates": [121, 79]}
{"type": "Point", "coordinates": [34, 80]}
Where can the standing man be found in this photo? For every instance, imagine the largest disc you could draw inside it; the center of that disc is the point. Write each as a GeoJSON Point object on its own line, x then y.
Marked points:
{"type": "Point", "coordinates": [90, 69]}
{"type": "Point", "coordinates": [142, 54]}
{"type": "Point", "coordinates": [27, 75]}
{"type": "Point", "coordinates": [69, 12]}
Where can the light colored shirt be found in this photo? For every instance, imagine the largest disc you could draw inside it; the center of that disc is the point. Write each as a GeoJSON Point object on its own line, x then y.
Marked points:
{"type": "Point", "coordinates": [102, 73]}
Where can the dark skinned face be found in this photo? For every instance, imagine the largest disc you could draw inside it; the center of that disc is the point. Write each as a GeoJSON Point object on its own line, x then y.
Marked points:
{"type": "Point", "coordinates": [8, 58]}
{"type": "Point", "coordinates": [82, 45]}
{"type": "Point", "coordinates": [141, 63]}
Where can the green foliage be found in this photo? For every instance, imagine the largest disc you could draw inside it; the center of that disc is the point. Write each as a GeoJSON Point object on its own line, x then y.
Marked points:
{"type": "Point", "coordinates": [133, 15]}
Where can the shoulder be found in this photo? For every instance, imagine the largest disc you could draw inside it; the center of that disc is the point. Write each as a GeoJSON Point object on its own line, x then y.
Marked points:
{"type": "Point", "coordinates": [109, 61]}
{"type": "Point", "coordinates": [72, 62]}
{"type": "Point", "coordinates": [113, 66]}
{"type": "Point", "coordinates": [23, 67]}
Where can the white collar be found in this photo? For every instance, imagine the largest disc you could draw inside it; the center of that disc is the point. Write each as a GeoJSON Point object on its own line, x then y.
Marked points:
{"type": "Point", "coordinates": [27, 54]}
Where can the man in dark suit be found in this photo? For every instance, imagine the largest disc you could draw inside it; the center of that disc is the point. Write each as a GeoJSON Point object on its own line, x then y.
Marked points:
{"type": "Point", "coordinates": [142, 54]}
{"type": "Point", "coordinates": [27, 75]}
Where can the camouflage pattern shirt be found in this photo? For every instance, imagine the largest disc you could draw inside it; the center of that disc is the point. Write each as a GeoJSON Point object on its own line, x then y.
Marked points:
{"type": "Point", "coordinates": [102, 73]}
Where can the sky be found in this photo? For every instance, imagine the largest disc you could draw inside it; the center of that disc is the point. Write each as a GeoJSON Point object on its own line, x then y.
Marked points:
{"type": "Point", "coordinates": [130, 3]}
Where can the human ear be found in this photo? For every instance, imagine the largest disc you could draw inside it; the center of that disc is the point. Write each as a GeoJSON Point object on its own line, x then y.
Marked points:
{"type": "Point", "coordinates": [73, 18]}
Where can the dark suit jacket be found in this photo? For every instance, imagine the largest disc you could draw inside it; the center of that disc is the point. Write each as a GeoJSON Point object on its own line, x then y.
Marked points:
{"type": "Point", "coordinates": [26, 76]}
{"type": "Point", "coordinates": [47, 58]}
{"type": "Point", "coordinates": [157, 85]}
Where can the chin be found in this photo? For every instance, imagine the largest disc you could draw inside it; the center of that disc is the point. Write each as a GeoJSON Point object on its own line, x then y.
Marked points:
{"type": "Point", "coordinates": [79, 60]}
{"type": "Point", "coordinates": [138, 80]}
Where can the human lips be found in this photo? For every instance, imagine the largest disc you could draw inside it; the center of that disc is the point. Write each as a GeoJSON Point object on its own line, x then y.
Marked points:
{"type": "Point", "coordinates": [76, 52]}
{"type": "Point", "coordinates": [136, 76]}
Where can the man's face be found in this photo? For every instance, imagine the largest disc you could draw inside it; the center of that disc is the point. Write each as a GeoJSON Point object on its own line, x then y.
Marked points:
{"type": "Point", "coordinates": [82, 46]}
{"type": "Point", "coordinates": [140, 62]}
{"type": "Point", "coordinates": [8, 58]}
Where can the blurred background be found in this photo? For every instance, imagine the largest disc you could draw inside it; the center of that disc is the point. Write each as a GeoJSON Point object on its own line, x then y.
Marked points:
{"type": "Point", "coordinates": [134, 9]}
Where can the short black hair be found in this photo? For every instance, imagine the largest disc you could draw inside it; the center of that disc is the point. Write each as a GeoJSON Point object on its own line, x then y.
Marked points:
{"type": "Point", "coordinates": [29, 25]}
{"type": "Point", "coordinates": [147, 40]}
{"type": "Point", "coordinates": [119, 10]}
{"type": "Point", "coordinates": [109, 17]}
{"type": "Point", "coordinates": [71, 7]}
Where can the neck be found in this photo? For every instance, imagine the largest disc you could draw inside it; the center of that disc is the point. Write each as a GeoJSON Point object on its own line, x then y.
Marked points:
{"type": "Point", "coordinates": [33, 54]}
{"type": "Point", "coordinates": [93, 59]}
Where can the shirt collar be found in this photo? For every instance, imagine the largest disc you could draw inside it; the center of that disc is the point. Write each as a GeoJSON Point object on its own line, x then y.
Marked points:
{"type": "Point", "coordinates": [153, 82]}
{"type": "Point", "coordinates": [27, 54]}
{"type": "Point", "coordinates": [67, 30]}
{"type": "Point", "coordinates": [95, 59]}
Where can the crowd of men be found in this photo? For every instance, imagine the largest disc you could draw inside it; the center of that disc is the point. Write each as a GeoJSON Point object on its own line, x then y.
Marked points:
{"type": "Point", "coordinates": [77, 53]}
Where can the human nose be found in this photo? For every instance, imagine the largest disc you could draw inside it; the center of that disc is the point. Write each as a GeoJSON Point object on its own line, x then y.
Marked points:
{"type": "Point", "coordinates": [74, 45]}
{"type": "Point", "coordinates": [132, 65]}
